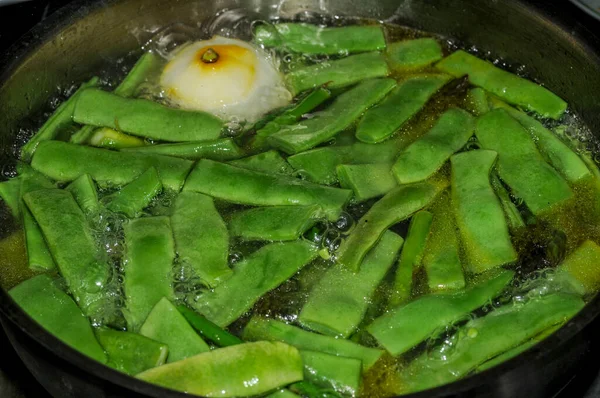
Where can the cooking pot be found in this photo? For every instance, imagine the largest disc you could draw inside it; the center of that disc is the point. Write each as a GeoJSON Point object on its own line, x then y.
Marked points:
{"type": "Point", "coordinates": [535, 36]}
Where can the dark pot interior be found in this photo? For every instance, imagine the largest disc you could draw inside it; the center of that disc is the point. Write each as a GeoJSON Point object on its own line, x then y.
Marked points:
{"type": "Point", "coordinates": [87, 36]}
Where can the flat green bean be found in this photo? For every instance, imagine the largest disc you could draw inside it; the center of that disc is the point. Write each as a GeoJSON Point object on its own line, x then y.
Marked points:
{"type": "Point", "coordinates": [134, 197]}
{"type": "Point", "coordinates": [208, 329]}
{"type": "Point", "coordinates": [408, 55]}
{"type": "Point", "coordinates": [266, 162]}
{"type": "Point", "coordinates": [367, 181]}
{"type": "Point", "coordinates": [477, 101]}
{"type": "Point", "coordinates": [513, 215]}
{"type": "Point", "coordinates": [326, 370]}
{"type": "Point", "coordinates": [10, 192]}
{"type": "Point", "coordinates": [105, 137]}
{"type": "Point", "coordinates": [222, 149]}
{"type": "Point", "coordinates": [582, 265]}
{"type": "Point", "coordinates": [85, 193]}
{"type": "Point", "coordinates": [283, 393]}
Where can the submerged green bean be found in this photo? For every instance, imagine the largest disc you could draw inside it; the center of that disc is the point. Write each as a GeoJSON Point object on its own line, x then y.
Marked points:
{"type": "Point", "coordinates": [105, 137]}
{"type": "Point", "coordinates": [477, 101]}
{"type": "Point", "coordinates": [148, 65]}
{"type": "Point", "coordinates": [408, 55]}
{"type": "Point", "coordinates": [582, 266]}
{"type": "Point", "coordinates": [266, 162]}
{"type": "Point", "coordinates": [326, 370]}
{"type": "Point", "coordinates": [85, 193]}
{"type": "Point", "coordinates": [513, 215]}
{"type": "Point", "coordinates": [135, 196]}
{"type": "Point", "coordinates": [10, 192]}
{"type": "Point", "coordinates": [367, 180]}
{"type": "Point", "coordinates": [208, 329]}
{"type": "Point", "coordinates": [222, 149]}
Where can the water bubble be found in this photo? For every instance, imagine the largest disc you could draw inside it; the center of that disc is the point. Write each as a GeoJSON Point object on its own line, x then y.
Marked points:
{"type": "Point", "coordinates": [345, 222]}
{"type": "Point", "coordinates": [171, 38]}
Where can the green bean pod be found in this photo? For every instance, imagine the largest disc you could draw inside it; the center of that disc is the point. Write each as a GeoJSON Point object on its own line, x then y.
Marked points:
{"type": "Point", "coordinates": [283, 393]}
{"type": "Point", "coordinates": [135, 196]}
{"type": "Point", "coordinates": [222, 149]}
{"type": "Point", "coordinates": [148, 65]}
{"type": "Point", "coordinates": [326, 370]}
{"type": "Point", "coordinates": [409, 55]}
{"type": "Point", "coordinates": [582, 266]}
{"type": "Point", "coordinates": [477, 101]}
{"type": "Point", "coordinates": [367, 181]}
{"type": "Point", "coordinates": [208, 329]}
{"type": "Point", "coordinates": [513, 215]}
{"type": "Point", "coordinates": [266, 162]}
{"type": "Point", "coordinates": [10, 192]}
{"type": "Point", "coordinates": [105, 137]}
{"type": "Point", "coordinates": [85, 193]}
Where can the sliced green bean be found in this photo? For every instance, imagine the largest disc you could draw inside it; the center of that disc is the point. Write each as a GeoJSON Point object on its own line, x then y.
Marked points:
{"type": "Point", "coordinates": [144, 118]}
{"type": "Point", "coordinates": [253, 277]}
{"type": "Point", "coordinates": [165, 324]}
{"type": "Point", "coordinates": [58, 314]}
{"type": "Point", "coordinates": [148, 267]}
{"type": "Point", "coordinates": [208, 329]}
{"type": "Point", "coordinates": [310, 39]}
{"type": "Point", "coordinates": [520, 164]}
{"type": "Point", "coordinates": [324, 125]}
{"type": "Point", "coordinates": [411, 95]}
{"type": "Point", "coordinates": [266, 162]}
{"type": "Point", "coordinates": [85, 193]}
{"type": "Point", "coordinates": [426, 155]}
{"type": "Point", "coordinates": [274, 223]}
{"type": "Point", "coordinates": [144, 68]}
{"type": "Point", "coordinates": [238, 371]}
{"type": "Point", "coordinates": [135, 196]}
{"type": "Point", "coordinates": [397, 205]}
{"type": "Point", "coordinates": [408, 325]}
{"type": "Point", "coordinates": [367, 181]}
{"type": "Point", "coordinates": [478, 212]}
{"type": "Point", "coordinates": [201, 238]}
{"type": "Point", "coordinates": [10, 192]}
{"type": "Point", "coordinates": [326, 370]}
{"type": "Point", "coordinates": [243, 186]}
{"type": "Point", "coordinates": [58, 122]}
{"type": "Point", "coordinates": [338, 73]}
{"type": "Point", "coordinates": [339, 301]}
{"type": "Point", "coordinates": [221, 149]}
{"type": "Point", "coordinates": [273, 330]}
{"type": "Point", "coordinates": [71, 244]}
{"type": "Point", "coordinates": [131, 353]}
{"type": "Point", "coordinates": [477, 101]}
{"type": "Point", "coordinates": [414, 54]}
{"type": "Point", "coordinates": [105, 137]}
{"type": "Point", "coordinates": [513, 215]}
{"type": "Point", "coordinates": [582, 265]}
{"type": "Point", "coordinates": [65, 162]}
{"type": "Point", "coordinates": [410, 258]}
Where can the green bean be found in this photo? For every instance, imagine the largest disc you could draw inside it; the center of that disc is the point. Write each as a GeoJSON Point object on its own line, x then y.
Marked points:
{"type": "Point", "coordinates": [208, 329]}
{"type": "Point", "coordinates": [338, 73]}
{"type": "Point", "coordinates": [520, 164]}
{"type": "Point", "coordinates": [310, 390]}
{"type": "Point", "coordinates": [326, 370]}
{"type": "Point", "coordinates": [478, 212]}
{"type": "Point", "coordinates": [222, 149]}
{"type": "Point", "coordinates": [408, 55]}
{"type": "Point", "coordinates": [274, 223]}
{"type": "Point", "coordinates": [135, 196]}
{"type": "Point", "coordinates": [483, 338]}
{"type": "Point", "coordinates": [283, 393]}
{"type": "Point", "coordinates": [237, 371]}
{"type": "Point", "coordinates": [411, 95]}
{"type": "Point", "coordinates": [339, 301]}
{"type": "Point", "coordinates": [85, 193]}
{"type": "Point", "coordinates": [10, 192]}
{"type": "Point", "coordinates": [54, 310]}
{"type": "Point", "coordinates": [397, 205]}
{"type": "Point", "coordinates": [105, 137]}
{"type": "Point", "coordinates": [165, 324]}
{"type": "Point", "coordinates": [426, 155]}
{"type": "Point", "coordinates": [408, 325]}
{"type": "Point", "coordinates": [509, 87]}
{"type": "Point", "coordinates": [559, 155]}
{"type": "Point", "coordinates": [71, 244]}
{"type": "Point", "coordinates": [57, 123]}
{"type": "Point", "coordinates": [273, 330]}
{"type": "Point", "coordinates": [410, 257]}
{"type": "Point", "coordinates": [266, 162]}
{"type": "Point", "coordinates": [324, 125]}
{"type": "Point", "coordinates": [253, 277]}
{"type": "Point", "coordinates": [148, 267]}
{"type": "Point", "coordinates": [131, 353]}
{"type": "Point", "coordinates": [310, 39]}
{"type": "Point", "coordinates": [201, 238]}
{"type": "Point", "coordinates": [477, 101]}
{"type": "Point", "coordinates": [148, 65]}
{"type": "Point", "coordinates": [242, 186]}
{"type": "Point", "coordinates": [144, 118]}
{"type": "Point", "coordinates": [513, 215]}
{"type": "Point", "coordinates": [65, 162]}
{"type": "Point", "coordinates": [83, 135]}
{"type": "Point", "coordinates": [583, 267]}
{"type": "Point", "coordinates": [367, 181]}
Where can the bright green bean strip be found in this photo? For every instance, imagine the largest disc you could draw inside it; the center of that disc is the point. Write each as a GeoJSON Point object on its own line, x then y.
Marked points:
{"type": "Point", "coordinates": [513, 215]}
{"type": "Point", "coordinates": [243, 186]}
{"type": "Point", "coordinates": [65, 162]}
{"type": "Point", "coordinates": [144, 118]}
{"type": "Point", "coordinates": [339, 301]}
{"type": "Point", "coordinates": [413, 54]}
{"type": "Point", "coordinates": [310, 39]}
{"type": "Point", "coordinates": [477, 101]}
{"type": "Point", "coordinates": [583, 266]}
{"type": "Point", "coordinates": [10, 192]}
{"type": "Point", "coordinates": [560, 156]}
{"type": "Point", "coordinates": [339, 373]}
{"type": "Point", "coordinates": [131, 353]}
{"type": "Point", "coordinates": [105, 137]}
{"type": "Point", "coordinates": [221, 149]}
{"type": "Point", "coordinates": [58, 122]}
{"type": "Point", "coordinates": [208, 329]}
{"type": "Point", "coordinates": [201, 238]}
{"type": "Point", "coordinates": [145, 67]}
{"type": "Point", "coordinates": [397, 205]}
{"type": "Point", "coordinates": [273, 330]}
{"type": "Point", "coordinates": [509, 87]}
{"type": "Point", "coordinates": [367, 181]}
{"type": "Point", "coordinates": [85, 193]}
{"type": "Point", "coordinates": [135, 196]}
{"type": "Point", "coordinates": [72, 245]}
{"type": "Point", "coordinates": [478, 212]}
{"type": "Point", "coordinates": [167, 325]}
{"type": "Point", "coordinates": [484, 338]}
{"type": "Point", "coordinates": [252, 278]}
{"type": "Point", "coordinates": [324, 125]}
{"type": "Point", "coordinates": [520, 164]}
{"type": "Point", "coordinates": [405, 101]}
{"type": "Point", "coordinates": [148, 267]}
{"type": "Point", "coordinates": [338, 73]}
{"type": "Point", "coordinates": [58, 314]}
{"type": "Point", "coordinates": [408, 325]}
{"type": "Point", "coordinates": [266, 162]}
{"type": "Point", "coordinates": [428, 154]}
{"type": "Point", "coordinates": [274, 223]}
{"type": "Point", "coordinates": [410, 258]}
{"type": "Point", "coordinates": [238, 371]}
